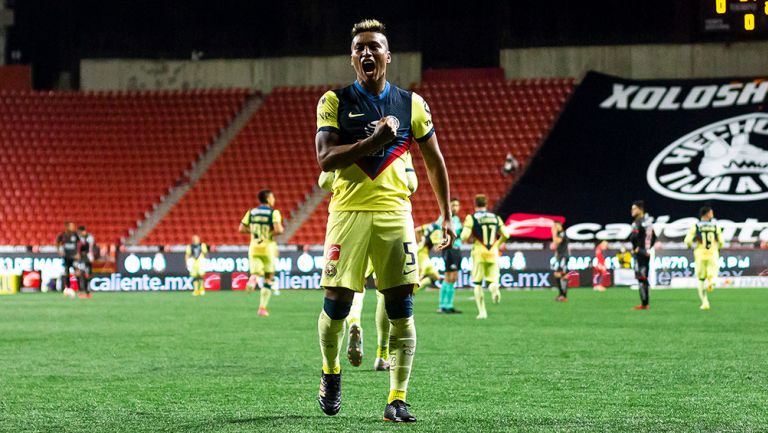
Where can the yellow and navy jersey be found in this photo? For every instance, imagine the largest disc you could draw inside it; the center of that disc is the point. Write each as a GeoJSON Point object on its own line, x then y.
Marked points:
{"type": "Point", "coordinates": [486, 228]}
{"type": "Point", "coordinates": [379, 181]}
{"type": "Point", "coordinates": [261, 220]}
{"type": "Point", "coordinates": [708, 237]}
{"type": "Point", "coordinates": [197, 251]}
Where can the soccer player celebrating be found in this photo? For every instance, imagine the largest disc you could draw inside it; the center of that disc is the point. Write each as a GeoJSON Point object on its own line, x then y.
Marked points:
{"type": "Point", "coordinates": [195, 259]}
{"type": "Point", "coordinates": [560, 242]}
{"type": "Point", "coordinates": [599, 271]}
{"type": "Point", "coordinates": [709, 239]}
{"type": "Point", "coordinates": [67, 246]}
{"type": "Point", "coordinates": [363, 134]}
{"type": "Point", "coordinates": [642, 239]}
{"type": "Point", "coordinates": [489, 233]}
{"type": "Point", "coordinates": [85, 264]}
{"type": "Point", "coordinates": [452, 259]}
{"type": "Point", "coordinates": [262, 223]}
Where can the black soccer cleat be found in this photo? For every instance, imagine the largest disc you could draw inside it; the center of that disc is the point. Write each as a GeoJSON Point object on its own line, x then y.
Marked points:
{"type": "Point", "coordinates": [329, 396]}
{"type": "Point", "coordinates": [397, 411]}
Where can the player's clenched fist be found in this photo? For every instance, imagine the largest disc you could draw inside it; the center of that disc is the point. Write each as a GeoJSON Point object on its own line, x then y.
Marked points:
{"type": "Point", "coordinates": [385, 131]}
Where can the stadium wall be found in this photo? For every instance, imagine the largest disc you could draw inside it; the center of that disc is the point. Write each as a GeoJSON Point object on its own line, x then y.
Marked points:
{"type": "Point", "coordinates": [262, 74]}
{"type": "Point", "coordinates": [639, 61]}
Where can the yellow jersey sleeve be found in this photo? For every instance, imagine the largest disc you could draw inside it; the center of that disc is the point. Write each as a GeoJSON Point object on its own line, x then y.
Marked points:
{"type": "Point", "coordinates": [690, 236]}
{"type": "Point", "coordinates": [276, 217]}
{"type": "Point", "coordinates": [421, 119]}
{"type": "Point", "coordinates": [246, 221]}
{"type": "Point", "coordinates": [328, 112]}
{"type": "Point", "coordinates": [410, 174]}
{"type": "Point", "coordinates": [189, 251]}
{"type": "Point", "coordinates": [720, 242]}
{"type": "Point", "coordinates": [204, 249]}
{"type": "Point", "coordinates": [466, 230]}
{"type": "Point", "coordinates": [325, 181]}
{"type": "Point", "coordinates": [503, 233]}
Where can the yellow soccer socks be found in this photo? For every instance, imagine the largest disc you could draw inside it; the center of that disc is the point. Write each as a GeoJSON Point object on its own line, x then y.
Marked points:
{"type": "Point", "coordinates": [495, 292]}
{"type": "Point", "coordinates": [357, 309]}
{"type": "Point", "coordinates": [330, 332]}
{"type": "Point", "coordinates": [480, 301]}
{"type": "Point", "coordinates": [330, 327]}
{"type": "Point", "coordinates": [402, 347]}
{"type": "Point", "coordinates": [703, 295]}
{"type": "Point", "coordinates": [382, 328]}
{"type": "Point", "coordinates": [266, 292]}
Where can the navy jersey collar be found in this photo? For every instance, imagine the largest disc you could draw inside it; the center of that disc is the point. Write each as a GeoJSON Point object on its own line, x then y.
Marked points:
{"type": "Point", "coordinates": [378, 97]}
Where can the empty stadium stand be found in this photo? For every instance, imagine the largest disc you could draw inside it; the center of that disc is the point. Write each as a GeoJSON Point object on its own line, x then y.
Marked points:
{"type": "Point", "coordinates": [104, 158]}
{"type": "Point", "coordinates": [98, 158]}
{"type": "Point", "coordinates": [478, 121]}
{"type": "Point", "coordinates": [274, 150]}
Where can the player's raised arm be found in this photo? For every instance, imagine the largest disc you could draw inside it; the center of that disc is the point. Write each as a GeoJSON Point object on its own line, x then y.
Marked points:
{"type": "Point", "coordinates": [332, 156]}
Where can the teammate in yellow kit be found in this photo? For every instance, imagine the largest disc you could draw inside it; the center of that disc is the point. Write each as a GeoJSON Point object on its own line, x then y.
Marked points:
{"type": "Point", "coordinates": [364, 131]}
{"type": "Point", "coordinates": [489, 233]}
{"type": "Point", "coordinates": [195, 259]}
{"type": "Point", "coordinates": [262, 223]}
{"type": "Point", "coordinates": [430, 236]}
{"type": "Point", "coordinates": [709, 239]}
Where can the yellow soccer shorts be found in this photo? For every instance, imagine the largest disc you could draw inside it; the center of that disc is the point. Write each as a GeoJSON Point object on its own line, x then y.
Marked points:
{"type": "Point", "coordinates": [196, 268]}
{"type": "Point", "coordinates": [707, 267]}
{"type": "Point", "coordinates": [354, 237]}
{"type": "Point", "coordinates": [261, 259]}
{"type": "Point", "coordinates": [485, 267]}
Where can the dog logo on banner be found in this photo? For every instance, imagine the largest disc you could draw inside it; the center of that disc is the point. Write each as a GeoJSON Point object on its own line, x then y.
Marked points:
{"type": "Point", "coordinates": [726, 160]}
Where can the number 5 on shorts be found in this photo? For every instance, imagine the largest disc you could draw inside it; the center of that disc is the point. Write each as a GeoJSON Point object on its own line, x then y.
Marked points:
{"type": "Point", "coordinates": [411, 256]}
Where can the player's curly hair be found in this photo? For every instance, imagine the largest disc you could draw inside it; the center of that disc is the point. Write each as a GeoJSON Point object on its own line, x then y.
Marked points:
{"type": "Point", "coordinates": [369, 25]}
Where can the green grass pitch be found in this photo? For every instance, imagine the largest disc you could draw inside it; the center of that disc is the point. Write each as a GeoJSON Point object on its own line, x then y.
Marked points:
{"type": "Point", "coordinates": [168, 362]}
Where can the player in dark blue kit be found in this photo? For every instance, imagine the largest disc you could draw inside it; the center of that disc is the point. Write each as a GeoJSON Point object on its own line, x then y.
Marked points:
{"type": "Point", "coordinates": [642, 239]}
{"type": "Point", "coordinates": [85, 264]}
{"type": "Point", "coordinates": [67, 245]}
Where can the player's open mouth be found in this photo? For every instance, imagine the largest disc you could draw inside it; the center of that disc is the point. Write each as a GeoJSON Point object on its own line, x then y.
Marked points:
{"type": "Point", "coordinates": [368, 66]}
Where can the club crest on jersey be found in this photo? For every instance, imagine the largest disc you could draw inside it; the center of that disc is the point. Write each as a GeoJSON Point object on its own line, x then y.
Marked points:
{"type": "Point", "coordinates": [330, 270]}
{"type": "Point", "coordinates": [725, 160]}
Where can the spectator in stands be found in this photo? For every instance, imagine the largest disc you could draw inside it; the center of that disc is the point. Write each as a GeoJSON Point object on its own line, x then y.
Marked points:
{"type": "Point", "coordinates": [67, 246]}
{"type": "Point", "coordinates": [510, 165]}
{"type": "Point", "coordinates": [600, 272]}
{"type": "Point", "coordinates": [84, 265]}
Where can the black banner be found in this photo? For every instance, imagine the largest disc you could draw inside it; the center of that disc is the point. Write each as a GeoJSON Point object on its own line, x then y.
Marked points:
{"type": "Point", "coordinates": [677, 144]}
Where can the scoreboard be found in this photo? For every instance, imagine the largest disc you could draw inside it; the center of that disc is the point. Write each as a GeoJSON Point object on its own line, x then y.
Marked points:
{"type": "Point", "coordinates": [740, 18]}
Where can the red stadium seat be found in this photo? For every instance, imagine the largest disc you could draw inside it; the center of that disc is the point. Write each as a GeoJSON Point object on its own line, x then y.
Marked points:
{"type": "Point", "coordinates": [100, 158]}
